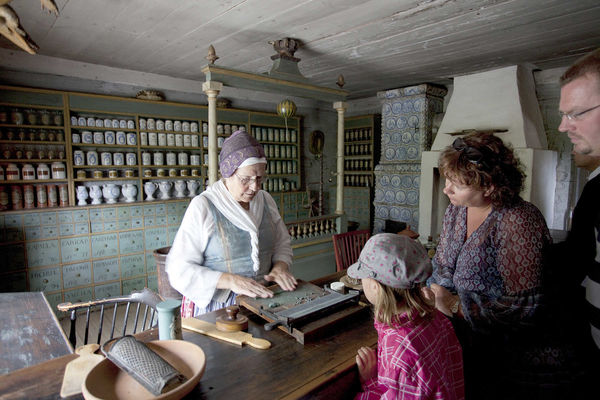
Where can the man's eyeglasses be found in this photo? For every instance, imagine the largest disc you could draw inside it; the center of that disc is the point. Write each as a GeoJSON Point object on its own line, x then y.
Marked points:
{"type": "Point", "coordinates": [576, 116]}
{"type": "Point", "coordinates": [246, 180]}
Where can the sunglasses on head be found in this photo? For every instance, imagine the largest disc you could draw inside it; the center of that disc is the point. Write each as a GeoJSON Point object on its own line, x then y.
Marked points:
{"type": "Point", "coordinates": [472, 154]}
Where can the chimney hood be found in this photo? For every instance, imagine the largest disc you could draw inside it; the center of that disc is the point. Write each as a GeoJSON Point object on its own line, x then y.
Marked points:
{"type": "Point", "coordinates": [501, 100]}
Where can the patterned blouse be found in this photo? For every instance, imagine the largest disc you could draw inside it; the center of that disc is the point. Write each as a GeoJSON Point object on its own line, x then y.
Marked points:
{"type": "Point", "coordinates": [497, 271]}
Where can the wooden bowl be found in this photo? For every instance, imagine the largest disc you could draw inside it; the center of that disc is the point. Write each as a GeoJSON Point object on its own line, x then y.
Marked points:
{"type": "Point", "coordinates": [107, 381]}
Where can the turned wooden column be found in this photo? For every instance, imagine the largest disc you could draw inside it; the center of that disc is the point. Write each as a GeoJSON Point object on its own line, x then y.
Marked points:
{"type": "Point", "coordinates": [212, 89]}
{"type": "Point", "coordinates": [340, 107]}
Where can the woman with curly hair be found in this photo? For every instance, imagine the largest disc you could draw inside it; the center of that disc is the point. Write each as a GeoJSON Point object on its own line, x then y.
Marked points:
{"type": "Point", "coordinates": [488, 268]}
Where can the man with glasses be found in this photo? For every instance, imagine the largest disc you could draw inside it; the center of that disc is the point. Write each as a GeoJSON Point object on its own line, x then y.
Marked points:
{"type": "Point", "coordinates": [580, 118]}
{"type": "Point", "coordinates": [232, 239]}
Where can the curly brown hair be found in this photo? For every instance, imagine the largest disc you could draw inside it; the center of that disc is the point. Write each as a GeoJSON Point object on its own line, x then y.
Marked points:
{"type": "Point", "coordinates": [482, 160]}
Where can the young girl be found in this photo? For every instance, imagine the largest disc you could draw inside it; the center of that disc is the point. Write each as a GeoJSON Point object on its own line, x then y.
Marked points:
{"type": "Point", "coordinates": [418, 355]}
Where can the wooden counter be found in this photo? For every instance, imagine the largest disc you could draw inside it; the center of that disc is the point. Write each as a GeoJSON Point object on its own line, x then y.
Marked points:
{"type": "Point", "coordinates": [30, 332]}
{"type": "Point", "coordinates": [324, 368]}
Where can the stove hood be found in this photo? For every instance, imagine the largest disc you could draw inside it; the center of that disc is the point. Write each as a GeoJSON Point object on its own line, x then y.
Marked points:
{"type": "Point", "coordinates": [503, 101]}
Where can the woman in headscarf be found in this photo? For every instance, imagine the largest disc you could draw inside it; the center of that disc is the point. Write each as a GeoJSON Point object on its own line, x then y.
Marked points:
{"type": "Point", "coordinates": [232, 239]}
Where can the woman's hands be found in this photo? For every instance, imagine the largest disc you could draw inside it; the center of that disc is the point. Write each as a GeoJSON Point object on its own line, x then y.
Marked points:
{"type": "Point", "coordinates": [366, 360]}
{"type": "Point", "coordinates": [242, 285]}
{"type": "Point", "coordinates": [280, 274]}
{"type": "Point", "coordinates": [444, 300]}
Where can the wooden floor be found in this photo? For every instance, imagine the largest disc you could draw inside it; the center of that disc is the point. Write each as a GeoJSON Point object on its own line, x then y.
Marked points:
{"type": "Point", "coordinates": [106, 327]}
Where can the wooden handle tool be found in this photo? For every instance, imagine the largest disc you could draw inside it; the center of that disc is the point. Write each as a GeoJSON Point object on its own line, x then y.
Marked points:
{"type": "Point", "coordinates": [239, 338]}
{"type": "Point", "coordinates": [77, 369]}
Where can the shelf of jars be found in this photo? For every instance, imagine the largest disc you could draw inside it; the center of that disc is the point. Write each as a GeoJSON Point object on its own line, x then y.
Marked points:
{"type": "Point", "coordinates": [32, 168]}
{"type": "Point", "coordinates": [282, 153]}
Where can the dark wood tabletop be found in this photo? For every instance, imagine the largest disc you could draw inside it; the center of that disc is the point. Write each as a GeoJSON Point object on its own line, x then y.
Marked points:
{"type": "Point", "coordinates": [288, 370]}
{"type": "Point", "coordinates": [30, 332]}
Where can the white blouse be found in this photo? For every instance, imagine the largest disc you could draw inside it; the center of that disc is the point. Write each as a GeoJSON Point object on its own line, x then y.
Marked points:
{"type": "Point", "coordinates": [184, 262]}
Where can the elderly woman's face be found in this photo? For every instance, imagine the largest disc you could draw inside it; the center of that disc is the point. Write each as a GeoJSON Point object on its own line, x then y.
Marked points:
{"type": "Point", "coordinates": [245, 182]}
{"type": "Point", "coordinates": [461, 194]}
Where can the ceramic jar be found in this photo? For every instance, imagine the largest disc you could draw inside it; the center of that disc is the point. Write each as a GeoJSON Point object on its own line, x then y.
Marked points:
{"type": "Point", "coordinates": [143, 123]}
{"type": "Point", "coordinates": [131, 139]}
{"type": "Point", "coordinates": [194, 127]}
{"type": "Point", "coordinates": [16, 116]}
{"type": "Point", "coordinates": [149, 189]}
{"type": "Point", "coordinates": [109, 137]}
{"type": "Point", "coordinates": [87, 137]}
{"type": "Point", "coordinates": [121, 137]}
{"type": "Point", "coordinates": [105, 157]}
{"type": "Point", "coordinates": [180, 187]}
{"type": "Point", "coordinates": [146, 159]}
{"type": "Point", "coordinates": [96, 194]}
{"type": "Point", "coordinates": [182, 158]}
{"type": "Point", "coordinates": [150, 123]}
{"type": "Point", "coordinates": [52, 195]}
{"type": "Point", "coordinates": [131, 159]}
{"type": "Point", "coordinates": [195, 141]}
{"type": "Point", "coordinates": [118, 159]}
{"type": "Point", "coordinates": [113, 173]}
{"type": "Point", "coordinates": [152, 139]}
{"type": "Point", "coordinates": [111, 193]}
{"type": "Point", "coordinates": [165, 189]}
{"type": "Point", "coordinates": [28, 172]}
{"type": "Point", "coordinates": [58, 170]}
{"type": "Point", "coordinates": [97, 174]}
{"type": "Point", "coordinates": [185, 126]}
{"type": "Point", "coordinates": [158, 158]}
{"type": "Point", "coordinates": [75, 138]}
{"type": "Point", "coordinates": [43, 172]}
{"type": "Point", "coordinates": [171, 158]}
{"type": "Point", "coordinates": [63, 195]}
{"type": "Point", "coordinates": [82, 195]}
{"type": "Point", "coordinates": [4, 199]}
{"type": "Point", "coordinates": [42, 196]}
{"type": "Point", "coordinates": [192, 187]}
{"type": "Point", "coordinates": [168, 125]}
{"type": "Point", "coordinates": [170, 139]}
{"type": "Point", "coordinates": [130, 124]}
{"type": "Point", "coordinates": [98, 137]}
{"type": "Point", "coordinates": [28, 196]}
{"type": "Point", "coordinates": [144, 138]}
{"type": "Point", "coordinates": [162, 139]}
{"type": "Point", "coordinates": [160, 125]}
{"type": "Point", "coordinates": [130, 192]}
{"type": "Point", "coordinates": [177, 126]}
{"type": "Point", "coordinates": [16, 195]}
{"type": "Point", "coordinates": [179, 140]}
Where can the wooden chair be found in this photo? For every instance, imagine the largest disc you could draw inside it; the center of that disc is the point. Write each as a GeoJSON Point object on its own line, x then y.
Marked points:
{"type": "Point", "coordinates": [347, 247]}
{"type": "Point", "coordinates": [146, 317]}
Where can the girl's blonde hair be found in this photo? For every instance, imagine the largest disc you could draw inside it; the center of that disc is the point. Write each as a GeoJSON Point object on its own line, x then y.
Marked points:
{"type": "Point", "coordinates": [392, 301]}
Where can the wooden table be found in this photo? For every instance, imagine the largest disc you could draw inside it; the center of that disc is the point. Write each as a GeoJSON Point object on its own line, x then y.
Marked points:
{"type": "Point", "coordinates": [324, 368]}
{"type": "Point", "coordinates": [29, 331]}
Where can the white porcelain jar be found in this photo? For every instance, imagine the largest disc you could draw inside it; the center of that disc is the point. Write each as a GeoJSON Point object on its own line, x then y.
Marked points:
{"type": "Point", "coordinates": [43, 172]}
{"type": "Point", "coordinates": [118, 159]}
{"type": "Point", "coordinates": [58, 170]}
{"type": "Point", "coordinates": [87, 137]}
{"type": "Point", "coordinates": [121, 138]}
{"type": "Point", "coordinates": [131, 139]}
{"type": "Point", "coordinates": [171, 159]}
{"type": "Point", "coordinates": [98, 137]}
{"type": "Point", "coordinates": [28, 172]}
{"type": "Point", "coordinates": [105, 157]}
{"type": "Point", "coordinates": [92, 157]}
{"type": "Point", "coordinates": [109, 137]}
{"type": "Point", "coordinates": [131, 159]}
{"type": "Point", "coordinates": [182, 158]}
{"type": "Point", "coordinates": [158, 158]}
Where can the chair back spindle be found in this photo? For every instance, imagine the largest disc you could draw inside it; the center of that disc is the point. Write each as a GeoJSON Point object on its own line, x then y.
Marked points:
{"type": "Point", "coordinates": [347, 247]}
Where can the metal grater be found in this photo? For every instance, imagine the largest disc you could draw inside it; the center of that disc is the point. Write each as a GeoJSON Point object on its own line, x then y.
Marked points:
{"type": "Point", "coordinates": [144, 365]}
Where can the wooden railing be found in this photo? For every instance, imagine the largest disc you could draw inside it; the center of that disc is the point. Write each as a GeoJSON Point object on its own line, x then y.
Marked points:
{"type": "Point", "coordinates": [313, 228]}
